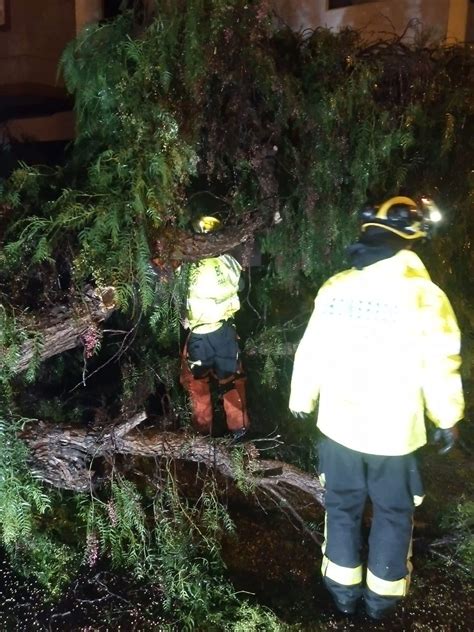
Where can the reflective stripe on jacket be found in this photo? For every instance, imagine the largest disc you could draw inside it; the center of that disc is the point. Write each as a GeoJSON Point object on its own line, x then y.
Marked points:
{"type": "Point", "coordinates": [382, 346]}
{"type": "Point", "coordinates": [212, 293]}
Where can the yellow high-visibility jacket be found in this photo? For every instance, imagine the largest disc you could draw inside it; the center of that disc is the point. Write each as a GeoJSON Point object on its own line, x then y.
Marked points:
{"type": "Point", "coordinates": [212, 293]}
{"type": "Point", "coordinates": [382, 346]}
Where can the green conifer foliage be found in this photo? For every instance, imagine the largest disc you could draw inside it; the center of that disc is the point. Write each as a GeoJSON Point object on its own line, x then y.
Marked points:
{"type": "Point", "coordinates": [21, 497]}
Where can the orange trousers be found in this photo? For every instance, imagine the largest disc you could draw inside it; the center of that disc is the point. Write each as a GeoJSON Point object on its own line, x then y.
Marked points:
{"type": "Point", "coordinates": [232, 390]}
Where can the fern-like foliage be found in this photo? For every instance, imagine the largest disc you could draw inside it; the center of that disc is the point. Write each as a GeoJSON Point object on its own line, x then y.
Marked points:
{"type": "Point", "coordinates": [22, 498]}
{"type": "Point", "coordinates": [458, 521]}
{"type": "Point", "coordinates": [49, 561]}
{"type": "Point", "coordinates": [187, 544]}
{"type": "Point", "coordinates": [116, 527]}
{"type": "Point", "coordinates": [178, 545]}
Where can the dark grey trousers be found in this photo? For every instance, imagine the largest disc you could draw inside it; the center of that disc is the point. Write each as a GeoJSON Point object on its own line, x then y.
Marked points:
{"type": "Point", "coordinates": [391, 483]}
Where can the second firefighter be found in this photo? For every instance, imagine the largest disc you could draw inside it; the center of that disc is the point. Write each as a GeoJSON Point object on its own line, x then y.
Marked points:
{"type": "Point", "coordinates": [211, 352]}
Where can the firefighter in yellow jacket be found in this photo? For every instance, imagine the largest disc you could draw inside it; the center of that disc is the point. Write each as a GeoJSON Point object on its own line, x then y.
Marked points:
{"type": "Point", "coordinates": [211, 350]}
{"type": "Point", "coordinates": [381, 349]}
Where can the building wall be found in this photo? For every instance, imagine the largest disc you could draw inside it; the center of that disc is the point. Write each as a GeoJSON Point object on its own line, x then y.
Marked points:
{"type": "Point", "coordinates": [88, 11]}
{"type": "Point", "coordinates": [470, 23]}
{"type": "Point", "coordinates": [444, 19]}
{"type": "Point", "coordinates": [457, 21]}
{"type": "Point", "coordinates": [36, 36]}
{"type": "Point", "coordinates": [30, 49]}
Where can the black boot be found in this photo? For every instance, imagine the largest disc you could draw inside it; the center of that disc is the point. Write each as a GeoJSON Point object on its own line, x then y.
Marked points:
{"type": "Point", "coordinates": [379, 607]}
{"type": "Point", "coordinates": [346, 598]}
{"type": "Point", "coordinates": [238, 436]}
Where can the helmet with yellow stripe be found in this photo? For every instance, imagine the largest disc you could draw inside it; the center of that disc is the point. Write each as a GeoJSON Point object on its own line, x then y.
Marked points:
{"type": "Point", "coordinates": [402, 216]}
{"type": "Point", "coordinates": [206, 224]}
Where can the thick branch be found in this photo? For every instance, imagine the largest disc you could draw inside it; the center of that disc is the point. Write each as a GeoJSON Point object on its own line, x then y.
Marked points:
{"type": "Point", "coordinates": [63, 457]}
{"type": "Point", "coordinates": [63, 328]}
{"type": "Point", "coordinates": [178, 245]}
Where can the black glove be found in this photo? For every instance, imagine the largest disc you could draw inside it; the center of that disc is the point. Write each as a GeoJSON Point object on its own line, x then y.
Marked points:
{"type": "Point", "coordinates": [447, 437]}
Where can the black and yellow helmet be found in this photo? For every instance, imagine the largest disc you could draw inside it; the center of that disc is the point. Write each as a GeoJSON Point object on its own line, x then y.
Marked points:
{"type": "Point", "coordinates": [402, 216]}
{"type": "Point", "coordinates": [206, 224]}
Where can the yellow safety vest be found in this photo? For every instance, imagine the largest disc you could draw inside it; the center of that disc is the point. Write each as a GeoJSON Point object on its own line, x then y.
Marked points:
{"type": "Point", "coordinates": [381, 347]}
{"type": "Point", "coordinates": [212, 293]}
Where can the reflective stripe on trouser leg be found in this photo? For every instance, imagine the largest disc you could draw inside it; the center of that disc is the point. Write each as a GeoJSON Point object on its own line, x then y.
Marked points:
{"type": "Point", "coordinates": [343, 472]}
{"type": "Point", "coordinates": [340, 574]}
{"type": "Point", "coordinates": [390, 587]}
{"type": "Point", "coordinates": [394, 484]}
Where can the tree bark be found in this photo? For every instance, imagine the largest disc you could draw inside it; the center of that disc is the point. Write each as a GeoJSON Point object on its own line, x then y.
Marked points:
{"type": "Point", "coordinates": [64, 327]}
{"type": "Point", "coordinates": [180, 245]}
{"type": "Point", "coordinates": [64, 456]}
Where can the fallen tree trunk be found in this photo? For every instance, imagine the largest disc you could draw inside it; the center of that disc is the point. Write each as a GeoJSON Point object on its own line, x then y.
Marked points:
{"type": "Point", "coordinates": [179, 245]}
{"type": "Point", "coordinates": [64, 457]}
{"type": "Point", "coordinates": [64, 328]}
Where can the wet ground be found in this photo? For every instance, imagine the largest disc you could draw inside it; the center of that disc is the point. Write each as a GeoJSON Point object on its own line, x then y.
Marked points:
{"type": "Point", "coordinates": [438, 601]}
{"type": "Point", "coordinates": [96, 601]}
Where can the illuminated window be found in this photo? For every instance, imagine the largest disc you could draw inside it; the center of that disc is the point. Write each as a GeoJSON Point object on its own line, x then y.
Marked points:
{"type": "Point", "coordinates": [341, 4]}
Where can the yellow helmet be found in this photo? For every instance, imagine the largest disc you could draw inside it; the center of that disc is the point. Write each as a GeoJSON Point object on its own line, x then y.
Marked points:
{"type": "Point", "coordinates": [206, 224]}
{"type": "Point", "coordinates": [402, 216]}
